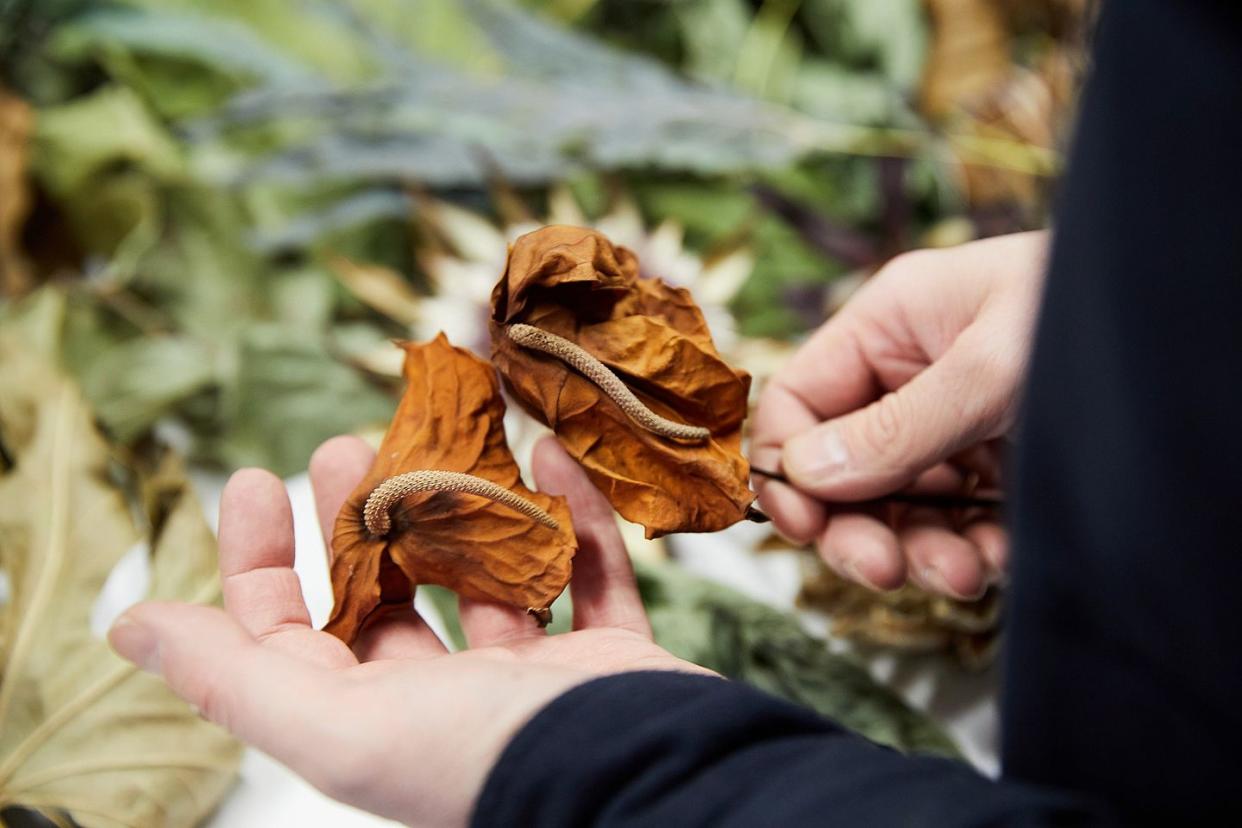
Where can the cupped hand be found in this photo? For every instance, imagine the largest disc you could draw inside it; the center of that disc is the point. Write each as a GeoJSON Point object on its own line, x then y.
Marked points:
{"type": "Point", "coordinates": [396, 725]}
{"type": "Point", "coordinates": [912, 385]}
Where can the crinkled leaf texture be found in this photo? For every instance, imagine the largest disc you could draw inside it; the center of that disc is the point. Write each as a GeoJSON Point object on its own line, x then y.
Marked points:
{"type": "Point", "coordinates": [83, 734]}
{"type": "Point", "coordinates": [450, 419]}
{"type": "Point", "coordinates": [572, 282]}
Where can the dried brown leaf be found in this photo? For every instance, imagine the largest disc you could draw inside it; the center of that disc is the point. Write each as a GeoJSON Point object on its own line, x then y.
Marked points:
{"type": "Point", "coordinates": [16, 125]}
{"type": "Point", "coordinates": [450, 419]}
{"type": "Point", "coordinates": [84, 734]}
{"type": "Point", "coordinates": [969, 54]}
{"type": "Point", "coordinates": [909, 619]}
{"type": "Point", "coordinates": [973, 82]}
{"type": "Point", "coordinates": [380, 288]}
{"type": "Point", "coordinates": [573, 283]}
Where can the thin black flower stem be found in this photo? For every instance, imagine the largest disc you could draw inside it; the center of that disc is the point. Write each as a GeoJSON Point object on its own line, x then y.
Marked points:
{"type": "Point", "coordinates": [935, 501]}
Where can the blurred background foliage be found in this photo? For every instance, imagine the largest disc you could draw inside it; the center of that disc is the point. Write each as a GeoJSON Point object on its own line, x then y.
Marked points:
{"type": "Point", "coordinates": [178, 177]}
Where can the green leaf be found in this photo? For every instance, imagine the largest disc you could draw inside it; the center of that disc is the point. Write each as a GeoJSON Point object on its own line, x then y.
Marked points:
{"type": "Point", "coordinates": [743, 639]}
{"type": "Point", "coordinates": [557, 102]}
{"type": "Point", "coordinates": [227, 46]}
{"type": "Point", "coordinates": [283, 395]}
{"type": "Point", "coordinates": [82, 732]}
{"type": "Point", "coordinates": [315, 36]}
{"type": "Point", "coordinates": [830, 90]}
{"type": "Point", "coordinates": [445, 603]}
{"type": "Point", "coordinates": [25, 61]}
{"type": "Point", "coordinates": [133, 384]}
{"type": "Point", "coordinates": [888, 34]}
{"type": "Point", "coordinates": [103, 156]}
{"type": "Point", "coordinates": [714, 31]}
{"type": "Point", "coordinates": [715, 212]}
{"type": "Point", "coordinates": [107, 129]}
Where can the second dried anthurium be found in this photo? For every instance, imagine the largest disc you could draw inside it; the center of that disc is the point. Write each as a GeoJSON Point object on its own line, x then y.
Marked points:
{"type": "Point", "coordinates": [444, 503]}
{"type": "Point", "coordinates": [623, 369]}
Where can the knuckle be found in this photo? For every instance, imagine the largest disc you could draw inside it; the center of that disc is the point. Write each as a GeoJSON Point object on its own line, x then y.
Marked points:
{"type": "Point", "coordinates": [214, 702]}
{"type": "Point", "coordinates": [907, 265]}
{"type": "Point", "coordinates": [882, 432]}
{"type": "Point", "coordinates": [998, 373]}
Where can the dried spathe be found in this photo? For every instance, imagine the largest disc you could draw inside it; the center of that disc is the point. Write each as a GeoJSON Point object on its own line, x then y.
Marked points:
{"type": "Point", "coordinates": [624, 370]}
{"type": "Point", "coordinates": [446, 503]}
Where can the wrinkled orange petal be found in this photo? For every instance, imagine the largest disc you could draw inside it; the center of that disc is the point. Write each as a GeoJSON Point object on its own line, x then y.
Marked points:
{"type": "Point", "coordinates": [450, 419]}
{"type": "Point", "coordinates": [572, 282]}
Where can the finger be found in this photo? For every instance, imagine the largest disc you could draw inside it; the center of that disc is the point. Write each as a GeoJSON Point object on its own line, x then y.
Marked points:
{"type": "Point", "coordinates": [779, 416]}
{"type": "Point", "coordinates": [267, 698]}
{"type": "Point", "coordinates": [798, 398]}
{"type": "Point", "coordinates": [489, 624]}
{"type": "Point", "coordinates": [982, 460]}
{"type": "Point", "coordinates": [604, 589]}
{"type": "Point", "coordinates": [956, 402]}
{"type": "Point", "coordinates": [260, 588]}
{"type": "Point", "coordinates": [797, 517]}
{"type": "Point", "coordinates": [860, 547]}
{"type": "Point", "coordinates": [831, 374]}
{"type": "Point", "coordinates": [993, 543]}
{"type": "Point", "coordinates": [939, 559]}
{"type": "Point", "coordinates": [397, 632]}
{"type": "Point", "coordinates": [939, 479]}
{"type": "Point", "coordinates": [336, 468]}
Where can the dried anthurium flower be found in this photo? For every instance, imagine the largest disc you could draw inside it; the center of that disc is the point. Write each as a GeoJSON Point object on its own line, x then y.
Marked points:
{"type": "Point", "coordinates": [623, 369]}
{"type": "Point", "coordinates": [444, 503]}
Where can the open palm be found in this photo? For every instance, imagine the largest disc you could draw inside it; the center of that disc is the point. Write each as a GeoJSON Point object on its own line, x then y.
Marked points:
{"type": "Point", "coordinates": [396, 724]}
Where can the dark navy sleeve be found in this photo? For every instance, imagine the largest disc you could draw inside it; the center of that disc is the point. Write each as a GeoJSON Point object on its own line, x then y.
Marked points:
{"type": "Point", "coordinates": [1124, 641]}
{"type": "Point", "coordinates": [668, 749]}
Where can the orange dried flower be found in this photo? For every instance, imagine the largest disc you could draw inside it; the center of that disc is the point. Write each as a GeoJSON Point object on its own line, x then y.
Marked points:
{"type": "Point", "coordinates": [624, 370]}
{"type": "Point", "coordinates": [444, 503]}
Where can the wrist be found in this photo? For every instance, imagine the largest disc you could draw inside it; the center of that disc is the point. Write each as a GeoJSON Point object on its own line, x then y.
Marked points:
{"type": "Point", "coordinates": [458, 755]}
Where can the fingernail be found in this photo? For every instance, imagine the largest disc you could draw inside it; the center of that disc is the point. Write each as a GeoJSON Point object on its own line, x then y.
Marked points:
{"type": "Point", "coordinates": [854, 571]}
{"type": "Point", "coordinates": [934, 580]}
{"type": "Point", "coordinates": [135, 643]}
{"type": "Point", "coordinates": [817, 456]}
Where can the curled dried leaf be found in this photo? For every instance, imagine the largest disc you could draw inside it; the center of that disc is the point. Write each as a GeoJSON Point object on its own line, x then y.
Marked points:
{"type": "Point", "coordinates": [624, 370]}
{"type": "Point", "coordinates": [447, 504]}
{"type": "Point", "coordinates": [906, 620]}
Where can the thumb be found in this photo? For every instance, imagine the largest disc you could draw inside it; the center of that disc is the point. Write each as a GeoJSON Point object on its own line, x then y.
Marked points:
{"type": "Point", "coordinates": [959, 401]}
